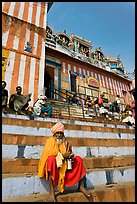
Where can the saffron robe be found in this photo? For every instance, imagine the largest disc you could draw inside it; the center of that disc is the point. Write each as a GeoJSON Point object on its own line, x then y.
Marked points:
{"type": "Point", "coordinates": [67, 178]}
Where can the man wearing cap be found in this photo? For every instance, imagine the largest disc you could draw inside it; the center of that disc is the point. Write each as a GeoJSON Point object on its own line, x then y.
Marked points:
{"type": "Point", "coordinates": [53, 164]}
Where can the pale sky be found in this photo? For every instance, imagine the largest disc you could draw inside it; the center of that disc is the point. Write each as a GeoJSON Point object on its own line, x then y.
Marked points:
{"type": "Point", "coordinates": [109, 25]}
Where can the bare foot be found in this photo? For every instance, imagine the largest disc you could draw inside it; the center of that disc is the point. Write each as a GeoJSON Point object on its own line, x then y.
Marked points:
{"type": "Point", "coordinates": [51, 198]}
{"type": "Point", "coordinates": [86, 193]}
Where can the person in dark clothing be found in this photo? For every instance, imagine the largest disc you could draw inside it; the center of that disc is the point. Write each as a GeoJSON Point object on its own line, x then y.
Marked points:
{"type": "Point", "coordinates": [4, 97]}
{"type": "Point", "coordinates": [75, 100]}
{"type": "Point", "coordinates": [20, 102]}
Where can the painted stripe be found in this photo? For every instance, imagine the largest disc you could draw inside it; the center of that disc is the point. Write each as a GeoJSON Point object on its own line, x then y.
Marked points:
{"type": "Point", "coordinates": [15, 73]}
{"type": "Point", "coordinates": [26, 76]}
{"type": "Point", "coordinates": [91, 133]}
{"type": "Point", "coordinates": [69, 68]}
{"type": "Point", "coordinates": [11, 35]}
{"type": "Point", "coordinates": [27, 37]}
{"type": "Point", "coordinates": [74, 67]}
{"type": "Point", "coordinates": [110, 86]}
{"type": "Point", "coordinates": [41, 70]}
{"type": "Point", "coordinates": [34, 140]}
{"type": "Point", "coordinates": [88, 73]}
{"type": "Point", "coordinates": [16, 9]}
{"type": "Point", "coordinates": [21, 10]}
{"type": "Point", "coordinates": [30, 12]}
{"type": "Point", "coordinates": [16, 42]}
{"type": "Point", "coordinates": [3, 5]}
{"type": "Point", "coordinates": [31, 40]}
{"type": "Point", "coordinates": [22, 71]}
{"type": "Point", "coordinates": [22, 37]}
{"type": "Point", "coordinates": [45, 16]}
{"type": "Point", "coordinates": [42, 15]}
{"type": "Point", "coordinates": [25, 13]}
{"type": "Point", "coordinates": [34, 13]}
{"type": "Point", "coordinates": [9, 70]}
{"type": "Point", "coordinates": [11, 9]}
{"type": "Point", "coordinates": [103, 81]}
{"type": "Point", "coordinates": [100, 81]}
{"type": "Point", "coordinates": [36, 80]}
{"type": "Point", "coordinates": [18, 166]}
{"type": "Point", "coordinates": [64, 67]}
{"type": "Point", "coordinates": [39, 47]}
{"type": "Point", "coordinates": [6, 7]}
{"type": "Point", "coordinates": [38, 14]}
{"type": "Point", "coordinates": [49, 122]}
{"type": "Point", "coordinates": [5, 37]}
{"type": "Point", "coordinates": [35, 45]}
{"type": "Point", "coordinates": [31, 81]}
{"type": "Point", "coordinates": [114, 91]}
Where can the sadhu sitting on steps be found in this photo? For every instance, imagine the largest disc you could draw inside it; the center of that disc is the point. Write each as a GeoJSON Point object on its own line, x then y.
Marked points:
{"type": "Point", "coordinates": [53, 164]}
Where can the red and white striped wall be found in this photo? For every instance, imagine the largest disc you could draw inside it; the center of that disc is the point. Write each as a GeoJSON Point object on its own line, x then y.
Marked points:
{"type": "Point", "coordinates": [114, 86]}
{"type": "Point", "coordinates": [24, 22]}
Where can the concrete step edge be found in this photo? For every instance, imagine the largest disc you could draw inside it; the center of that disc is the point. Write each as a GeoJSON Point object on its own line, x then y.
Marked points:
{"type": "Point", "coordinates": [69, 196]}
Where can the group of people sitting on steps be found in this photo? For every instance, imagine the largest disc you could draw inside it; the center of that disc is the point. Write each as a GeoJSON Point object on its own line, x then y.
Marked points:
{"type": "Point", "coordinates": [19, 103]}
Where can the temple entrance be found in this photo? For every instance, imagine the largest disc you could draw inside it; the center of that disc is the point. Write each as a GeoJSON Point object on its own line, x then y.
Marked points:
{"type": "Point", "coordinates": [49, 82]}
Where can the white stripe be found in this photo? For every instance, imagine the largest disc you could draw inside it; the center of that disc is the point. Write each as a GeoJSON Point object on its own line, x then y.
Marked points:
{"type": "Point", "coordinates": [107, 82]}
{"type": "Point", "coordinates": [20, 15]}
{"type": "Point", "coordinates": [22, 71]}
{"type": "Point", "coordinates": [64, 67]}
{"type": "Point", "coordinates": [34, 152]}
{"type": "Point", "coordinates": [84, 72]}
{"type": "Point", "coordinates": [38, 15]}
{"type": "Point", "coordinates": [31, 81]}
{"type": "Point", "coordinates": [27, 37]}
{"type": "Point", "coordinates": [5, 38]}
{"type": "Point", "coordinates": [16, 42]}
{"type": "Point", "coordinates": [9, 70]}
{"type": "Point", "coordinates": [3, 5]}
{"type": "Point", "coordinates": [116, 87]}
{"type": "Point", "coordinates": [41, 70]}
{"type": "Point", "coordinates": [75, 70]}
{"type": "Point", "coordinates": [45, 16]}
{"type": "Point", "coordinates": [88, 73]}
{"type": "Point", "coordinates": [35, 43]}
{"type": "Point", "coordinates": [95, 75]}
{"type": "Point", "coordinates": [11, 9]}
{"type": "Point", "coordinates": [30, 12]}
{"type": "Point", "coordinates": [69, 68]}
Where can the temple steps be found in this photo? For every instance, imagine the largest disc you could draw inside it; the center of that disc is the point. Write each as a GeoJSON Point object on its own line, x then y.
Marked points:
{"type": "Point", "coordinates": [107, 148]}
{"type": "Point", "coordinates": [23, 165]}
{"type": "Point", "coordinates": [122, 192]}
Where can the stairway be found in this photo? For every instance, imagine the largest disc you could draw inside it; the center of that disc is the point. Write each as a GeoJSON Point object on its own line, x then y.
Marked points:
{"type": "Point", "coordinates": [107, 149]}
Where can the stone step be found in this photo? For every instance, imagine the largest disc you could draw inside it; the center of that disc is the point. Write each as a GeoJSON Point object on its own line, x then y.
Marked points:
{"type": "Point", "coordinates": [122, 192]}
{"type": "Point", "coordinates": [23, 165]}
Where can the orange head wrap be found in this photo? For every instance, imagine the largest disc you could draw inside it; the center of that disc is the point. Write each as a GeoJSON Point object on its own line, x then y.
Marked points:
{"type": "Point", "coordinates": [58, 127]}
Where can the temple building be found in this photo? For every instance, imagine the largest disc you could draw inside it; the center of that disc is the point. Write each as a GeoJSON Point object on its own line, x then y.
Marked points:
{"type": "Point", "coordinates": [23, 46]}
{"type": "Point", "coordinates": [71, 65]}
{"type": "Point", "coordinates": [40, 60]}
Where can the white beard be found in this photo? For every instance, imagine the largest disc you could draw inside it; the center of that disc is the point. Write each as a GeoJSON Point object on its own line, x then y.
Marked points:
{"type": "Point", "coordinates": [59, 141]}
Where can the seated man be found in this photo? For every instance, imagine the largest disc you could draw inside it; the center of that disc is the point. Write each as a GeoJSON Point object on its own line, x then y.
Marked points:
{"type": "Point", "coordinates": [4, 97]}
{"type": "Point", "coordinates": [53, 164]}
{"type": "Point", "coordinates": [40, 106]}
{"type": "Point", "coordinates": [20, 102]}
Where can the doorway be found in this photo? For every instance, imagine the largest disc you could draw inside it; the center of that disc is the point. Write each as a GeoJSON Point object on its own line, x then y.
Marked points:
{"type": "Point", "coordinates": [49, 82]}
{"type": "Point", "coordinates": [73, 82]}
